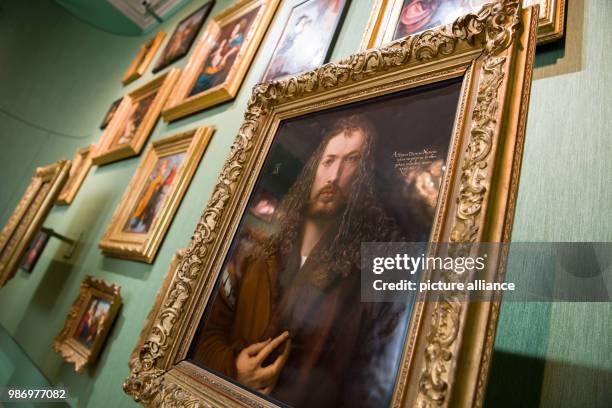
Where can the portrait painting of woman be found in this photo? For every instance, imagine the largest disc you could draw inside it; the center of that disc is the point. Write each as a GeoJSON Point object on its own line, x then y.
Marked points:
{"type": "Point", "coordinates": [221, 58]}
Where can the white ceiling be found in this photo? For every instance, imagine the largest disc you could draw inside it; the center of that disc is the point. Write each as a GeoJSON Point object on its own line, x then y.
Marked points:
{"type": "Point", "coordinates": [136, 11]}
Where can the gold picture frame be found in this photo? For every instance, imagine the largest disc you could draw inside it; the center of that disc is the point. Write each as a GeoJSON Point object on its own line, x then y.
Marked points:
{"type": "Point", "coordinates": [150, 201]}
{"type": "Point", "coordinates": [447, 351]}
{"type": "Point", "coordinates": [29, 215]}
{"type": "Point", "coordinates": [385, 15]}
{"type": "Point", "coordinates": [157, 304]}
{"type": "Point", "coordinates": [143, 58]}
{"type": "Point", "coordinates": [81, 163]}
{"type": "Point", "coordinates": [138, 111]}
{"type": "Point", "coordinates": [88, 322]}
{"type": "Point", "coordinates": [251, 19]}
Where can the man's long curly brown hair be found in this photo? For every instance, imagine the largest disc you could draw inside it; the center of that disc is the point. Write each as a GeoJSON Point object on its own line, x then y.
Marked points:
{"type": "Point", "coordinates": [362, 220]}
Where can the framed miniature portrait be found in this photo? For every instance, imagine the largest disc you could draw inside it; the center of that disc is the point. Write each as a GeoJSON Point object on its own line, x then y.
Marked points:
{"type": "Point", "coordinates": [141, 61]}
{"type": "Point", "coordinates": [308, 37]}
{"type": "Point", "coordinates": [110, 113]}
{"type": "Point", "coordinates": [134, 120]}
{"type": "Point", "coordinates": [266, 309]}
{"type": "Point", "coordinates": [221, 59]}
{"type": "Point", "coordinates": [88, 322]}
{"type": "Point", "coordinates": [393, 19]}
{"type": "Point", "coordinates": [183, 37]}
{"type": "Point", "coordinates": [81, 163]}
{"type": "Point", "coordinates": [29, 215]}
{"type": "Point", "coordinates": [35, 249]}
{"type": "Point", "coordinates": [145, 212]}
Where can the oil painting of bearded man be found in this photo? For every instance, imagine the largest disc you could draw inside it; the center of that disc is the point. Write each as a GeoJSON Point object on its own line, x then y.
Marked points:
{"type": "Point", "coordinates": [287, 319]}
{"type": "Point", "coordinates": [329, 211]}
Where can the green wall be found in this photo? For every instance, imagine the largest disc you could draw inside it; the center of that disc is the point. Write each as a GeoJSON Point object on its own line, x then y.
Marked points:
{"type": "Point", "coordinates": [58, 76]}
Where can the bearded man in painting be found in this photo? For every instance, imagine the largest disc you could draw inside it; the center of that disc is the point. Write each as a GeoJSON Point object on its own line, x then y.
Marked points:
{"type": "Point", "coordinates": [293, 325]}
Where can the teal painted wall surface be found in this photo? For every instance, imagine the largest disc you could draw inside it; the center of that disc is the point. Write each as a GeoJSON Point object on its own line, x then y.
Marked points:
{"type": "Point", "coordinates": [59, 75]}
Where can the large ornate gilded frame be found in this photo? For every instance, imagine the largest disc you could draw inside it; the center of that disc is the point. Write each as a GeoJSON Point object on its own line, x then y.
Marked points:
{"type": "Point", "coordinates": [143, 246]}
{"type": "Point", "coordinates": [29, 215]}
{"type": "Point", "coordinates": [179, 103]}
{"type": "Point", "coordinates": [70, 348]}
{"type": "Point", "coordinates": [448, 349]}
{"type": "Point", "coordinates": [106, 151]}
{"type": "Point", "coordinates": [385, 15]}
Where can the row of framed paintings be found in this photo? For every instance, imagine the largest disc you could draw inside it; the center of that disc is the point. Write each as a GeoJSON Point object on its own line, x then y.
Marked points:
{"type": "Point", "coordinates": [218, 65]}
{"type": "Point", "coordinates": [143, 215]}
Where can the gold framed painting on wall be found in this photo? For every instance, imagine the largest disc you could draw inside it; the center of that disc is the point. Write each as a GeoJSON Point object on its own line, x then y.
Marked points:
{"type": "Point", "coordinates": [88, 322]}
{"type": "Point", "coordinates": [308, 37]}
{"type": "Point", "coordinates": [265, 308]}
{"type": "Point", "coordinates": [182, 38]}
{"type": "Point", "coordinates": [29, 215]}
{"type": "Point", "coordinates": [393, 19]}
{"type": "Point", "coordinates": [134, 120]}
{"type": "Point", "coordinates": [157, 304]}
{"type": "Point", "coordinates": [221, 59]}
{"type": "Point", "coordinates": [141, 61]}
{"type": "Point", "coordinates": [150, 201]}
{"type": "Point", "coordinates": [81, 163]}
{"type": "Point", "coordinates": [110, 114]}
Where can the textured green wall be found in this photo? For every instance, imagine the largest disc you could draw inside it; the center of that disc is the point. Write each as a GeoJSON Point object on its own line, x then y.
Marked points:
{"type": "Point", "coordinates": [59, 74]}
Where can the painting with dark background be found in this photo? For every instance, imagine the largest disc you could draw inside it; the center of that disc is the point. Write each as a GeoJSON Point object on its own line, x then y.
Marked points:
{"type": "Point", "coordinates": [183, 37]}
{"type": "Point", "coordinates": [110, 113]}
{"type": "Point", "coordinates": [35, 249]}
{"type": "Point", "coordinates": [411, 132]}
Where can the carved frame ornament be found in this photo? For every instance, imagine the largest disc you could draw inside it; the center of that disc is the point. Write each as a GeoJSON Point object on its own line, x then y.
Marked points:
{"type": "Point", "coordinates": [143, 58]}
{"type": "Point", "coordinates": [493, 51]}
{"type": "Point", "coordinates": [143, 246]}
{"type": "Point", "coordinates": [66, 343]}
{"type": "Point", "coordinates": [29, 215]}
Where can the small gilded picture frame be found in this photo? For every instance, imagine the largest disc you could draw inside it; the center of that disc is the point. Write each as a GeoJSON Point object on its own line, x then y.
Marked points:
{"type": "Point", "coordinates": [81, 163]}
{"type": "Point", "coordinates": [134, 120]}
{"type": "Point", "coordinates": [417, 141]}
{"type": "Point", "coordinates": [29, 215]}
{"type": "Point", "coordinates": [143, 58]}
{"type": "Point", "coordinates": [88, 322]}
{"type": "Point", "coordinates": [145, 212]}
{"type": "Point", "coordinates": [221, 59]}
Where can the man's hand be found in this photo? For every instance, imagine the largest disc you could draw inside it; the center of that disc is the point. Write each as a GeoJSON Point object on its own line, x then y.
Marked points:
{"type": "Point", "coordinates": [249, 361]}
